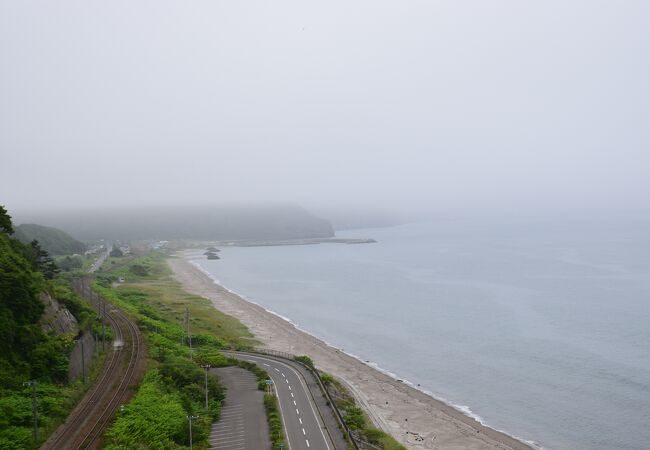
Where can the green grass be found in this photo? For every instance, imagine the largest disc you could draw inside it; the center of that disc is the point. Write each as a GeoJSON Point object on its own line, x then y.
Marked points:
{"type": "Point", "coordinates": [173, 387]}
{"type": "Point", "coordinates": [55, 395]}
{"type": "Point", "coordinates": [355, 418]}
{"type": "Point", "coordinates": [166, 296]}
{"type": "Point", "coordinates": [274, 419]}
{"type": "Point", "coordinates": [157, 302]}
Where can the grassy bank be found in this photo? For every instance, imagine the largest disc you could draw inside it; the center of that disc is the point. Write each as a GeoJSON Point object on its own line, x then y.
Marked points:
{"type": "Point", "coordinates": [173, 386]}
{"type": "Point", "coordinates": [356, 419]}
{"type": "Point", "coordinates": [273, 416]}
{"type": "Point", "coordinates": [48, 364]}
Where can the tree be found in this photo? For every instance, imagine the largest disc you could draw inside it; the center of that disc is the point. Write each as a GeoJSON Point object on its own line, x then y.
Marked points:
{"type": "Point", "coordinates": [42, 262]}
{"type": "Point", "coordinates": [70, 263]}
{"type": "Point", "coordinates": [5, 221]}
{"type": "Point", "coordinates": [116, 252]}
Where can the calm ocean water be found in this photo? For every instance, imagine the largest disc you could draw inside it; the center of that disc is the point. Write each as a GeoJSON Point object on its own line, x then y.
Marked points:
{"type": "Point", "coordinates": [540, 329]}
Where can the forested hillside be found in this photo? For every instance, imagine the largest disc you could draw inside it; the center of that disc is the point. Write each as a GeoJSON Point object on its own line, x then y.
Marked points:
{"type": "Point", "coordinates": [188, 222]}
{"type": "Point", "coordinates": [26, 352]}
{"type": "Point", "coordinates": [52, 240]}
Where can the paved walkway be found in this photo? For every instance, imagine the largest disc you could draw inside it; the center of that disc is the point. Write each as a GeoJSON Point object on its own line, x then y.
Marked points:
{"type": "Point", "coordinates": [242, 425]}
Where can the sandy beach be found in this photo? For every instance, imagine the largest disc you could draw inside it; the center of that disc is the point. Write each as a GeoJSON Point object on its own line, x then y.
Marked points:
{"type": "Point", "coordinates": [414, 418]}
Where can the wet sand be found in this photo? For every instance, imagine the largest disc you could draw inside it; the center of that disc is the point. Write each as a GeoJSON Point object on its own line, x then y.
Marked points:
{"type": "Point", "coordinates": [414, 418]}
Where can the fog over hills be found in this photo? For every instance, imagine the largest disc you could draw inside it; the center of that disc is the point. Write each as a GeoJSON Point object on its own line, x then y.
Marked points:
{"type": "Point", "coordinates": [52, 240]}
{"type": "Point", "coordinates": [404, 106]}
{"type": "Point", "coordinates": [208, 222]}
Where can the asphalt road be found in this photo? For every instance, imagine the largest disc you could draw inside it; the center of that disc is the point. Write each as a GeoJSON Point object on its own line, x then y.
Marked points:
{"type": "Point", "coordinates": [303, 424]}
{"type": "Point", "coordinates": [242, 424]}
{"type": "Point", "coordinates": [100, 260]}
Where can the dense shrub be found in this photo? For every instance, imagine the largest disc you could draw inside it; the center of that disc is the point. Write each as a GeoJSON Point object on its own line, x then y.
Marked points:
{"type": "Point", "coordinates": [155, 418]}
{"type": "Point", "coordinates": [305, 360]}
{"type": "Point", "coordinates": [275, 421]}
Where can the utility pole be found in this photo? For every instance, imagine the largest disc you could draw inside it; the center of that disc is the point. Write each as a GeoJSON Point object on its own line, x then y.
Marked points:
{"type": "Point", "coordinates": [83, 360]}
{"type": "Point", "coordinates": [103, 318]}
{"type": "Point", "coordinates": [191, 418]}
{"type": "Point", "coordinates": [33, 383]}
{"type": "Point", "coordinates": [189, 336]}
{"type": "Point", "coordinates": [206, 367]}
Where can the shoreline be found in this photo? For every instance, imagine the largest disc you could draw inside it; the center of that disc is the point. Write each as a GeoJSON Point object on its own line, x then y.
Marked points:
{"type": "Point", "coordinates": [465, 410]}
{"type": "Point", "coordinates": [397, 407]}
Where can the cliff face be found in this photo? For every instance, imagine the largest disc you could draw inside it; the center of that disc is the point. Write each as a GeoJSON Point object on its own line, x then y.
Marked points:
{"type": "Point", "coordinates": [57, 318]}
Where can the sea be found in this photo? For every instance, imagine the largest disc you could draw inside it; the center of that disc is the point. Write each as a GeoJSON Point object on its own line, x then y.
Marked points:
{"type": "Point", "coordinates": [537, 328]}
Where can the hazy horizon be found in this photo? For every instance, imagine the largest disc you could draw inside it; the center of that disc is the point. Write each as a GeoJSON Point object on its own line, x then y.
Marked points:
{"type": "Point", "coordinates": [406, 107]}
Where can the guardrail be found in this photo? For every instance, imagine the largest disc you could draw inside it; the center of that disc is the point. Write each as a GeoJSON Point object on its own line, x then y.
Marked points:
{"type": "Point", "coordinates": [354, 440]}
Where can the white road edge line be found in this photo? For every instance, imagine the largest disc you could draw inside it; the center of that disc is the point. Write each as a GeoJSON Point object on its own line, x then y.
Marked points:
{"type": "Point", "coordinates": [284, 425]}
{"type": "Point", "coordinates": [309, 399]}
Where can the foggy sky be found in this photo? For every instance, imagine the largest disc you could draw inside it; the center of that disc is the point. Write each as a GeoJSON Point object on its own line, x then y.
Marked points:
{"type": "Point", "coordinates": [398, 104]}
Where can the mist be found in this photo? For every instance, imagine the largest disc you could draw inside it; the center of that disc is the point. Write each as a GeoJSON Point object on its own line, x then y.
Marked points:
{"type": "Point", "coordinates": [402, 106]}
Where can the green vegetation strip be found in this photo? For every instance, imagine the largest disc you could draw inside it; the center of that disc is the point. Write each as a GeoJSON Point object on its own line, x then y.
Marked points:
{"type": "Point", "coordinates": [173, 387]}
{"type": "Point", "coordinates": [273, 416]}
{"type": "Point", "coordinates": [355, 418]}
{"type": "Point", "coordinates": [275, 421]}
{"type": "Point", "coordinates": [27, 352]}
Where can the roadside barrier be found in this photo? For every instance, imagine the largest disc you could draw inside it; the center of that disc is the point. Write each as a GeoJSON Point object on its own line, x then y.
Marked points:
{"type": "Point", "coordinates": [339, 417]}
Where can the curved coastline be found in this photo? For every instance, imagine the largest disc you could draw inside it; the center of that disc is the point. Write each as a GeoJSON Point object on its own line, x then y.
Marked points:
{"type": "Point", "coordinates": [440, 410]}
{"type": "Point", "coordinates": [463, 409]}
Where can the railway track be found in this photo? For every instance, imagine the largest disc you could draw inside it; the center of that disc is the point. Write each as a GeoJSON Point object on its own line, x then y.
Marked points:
{"type": "Point", "coordinates": [122, 370]}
